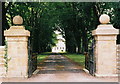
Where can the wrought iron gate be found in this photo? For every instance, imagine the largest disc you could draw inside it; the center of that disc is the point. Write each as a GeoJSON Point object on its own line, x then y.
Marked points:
{"type": "Point", "coordinates": [32, 60]}
{"type": "Point", "coordinates": [90, 58]}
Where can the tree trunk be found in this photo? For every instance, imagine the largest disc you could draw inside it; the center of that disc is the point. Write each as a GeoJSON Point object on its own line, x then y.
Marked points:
{"type": "Point", "coordinates": [85, 41]}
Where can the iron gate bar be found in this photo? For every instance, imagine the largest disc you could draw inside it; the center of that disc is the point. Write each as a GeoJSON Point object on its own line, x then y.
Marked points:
{"type": "Point", "coordinates": [32, 60]}
{"type": "Point", "coordinates": [90, 59]}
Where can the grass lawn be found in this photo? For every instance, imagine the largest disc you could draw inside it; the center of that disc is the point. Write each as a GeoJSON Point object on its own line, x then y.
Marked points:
{"type": "Point", "coordinates": [78, 58]}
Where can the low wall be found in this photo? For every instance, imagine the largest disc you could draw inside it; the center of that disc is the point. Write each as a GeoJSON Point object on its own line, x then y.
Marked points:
{"type": "Point", "coordinates": [118, 58]}
{"type": "Point", "coordinates": [2, 61]}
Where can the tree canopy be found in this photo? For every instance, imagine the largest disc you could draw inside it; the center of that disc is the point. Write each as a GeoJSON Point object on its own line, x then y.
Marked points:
{"type": "Point", "coordinates": [75, 21]}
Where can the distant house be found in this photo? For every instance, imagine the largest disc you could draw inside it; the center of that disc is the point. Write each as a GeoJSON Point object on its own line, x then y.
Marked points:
{"type": "Point", "coordinates": [60, 46]}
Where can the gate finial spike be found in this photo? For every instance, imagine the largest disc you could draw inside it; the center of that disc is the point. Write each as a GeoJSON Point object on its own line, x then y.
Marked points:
{"type": "Point", "coordinates": [104, 19]}
{"type": "Point", "coordinates": [18, 20]}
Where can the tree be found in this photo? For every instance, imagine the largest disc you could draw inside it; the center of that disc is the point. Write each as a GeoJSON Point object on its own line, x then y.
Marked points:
{"type": "Point", "coordinates": [75, 21]}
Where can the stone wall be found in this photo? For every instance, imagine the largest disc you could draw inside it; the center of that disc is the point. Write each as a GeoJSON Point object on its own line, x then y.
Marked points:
{"type": "Point", "coordinates": [2, 62]}
{"type": "Point", "coordinates": [118, 58]}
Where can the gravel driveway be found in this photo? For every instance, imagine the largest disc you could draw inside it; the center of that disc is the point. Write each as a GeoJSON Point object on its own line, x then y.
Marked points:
{"type": "Point", "coordinates": [57, 68]}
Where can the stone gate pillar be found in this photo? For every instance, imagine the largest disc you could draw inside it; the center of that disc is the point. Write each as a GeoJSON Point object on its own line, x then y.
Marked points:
{"type": "Point", "coordinates": [17, 51]}
{"type": "Point", "coordinates": [105, 51]}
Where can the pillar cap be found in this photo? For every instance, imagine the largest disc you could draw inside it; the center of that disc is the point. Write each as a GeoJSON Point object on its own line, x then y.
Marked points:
{"type": "Point", "coordinates": [104, 19]}
{"type": "Point", "coordinates": [17, 30]}
{"type": "Point", "coordinates": [18, 20]}
{"type": "Point", "coordinates": [105, 30]}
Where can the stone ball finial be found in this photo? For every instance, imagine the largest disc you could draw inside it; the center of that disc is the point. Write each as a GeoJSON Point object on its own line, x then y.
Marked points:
{"type": "Point", "coordinates": [18, 20]}
{"type": "Point", "coordinates": [104, 19]}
